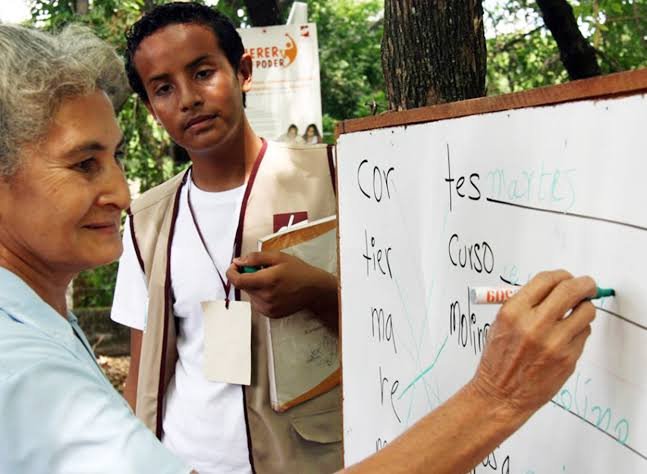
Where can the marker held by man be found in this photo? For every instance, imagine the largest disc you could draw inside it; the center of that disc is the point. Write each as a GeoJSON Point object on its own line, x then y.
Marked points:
{"type": "Point", "coordinates": [500, 294]}
{"type": "Point", "coordinates": [248, 269]}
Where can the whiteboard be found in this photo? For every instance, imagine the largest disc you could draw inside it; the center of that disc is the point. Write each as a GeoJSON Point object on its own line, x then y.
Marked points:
{"type": "Point", "coordinates": [427, 211]}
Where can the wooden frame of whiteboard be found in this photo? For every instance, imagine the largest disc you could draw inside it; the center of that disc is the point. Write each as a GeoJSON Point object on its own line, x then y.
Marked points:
{"type": "Point", "coordinates": [621, 83]}
{"type": "Point", "coordinates": [601, 87]}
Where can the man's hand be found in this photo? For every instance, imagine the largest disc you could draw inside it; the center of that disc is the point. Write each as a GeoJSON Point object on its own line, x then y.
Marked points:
{"type": "Point", "coordinates": [285, 285]}
{"type": "Point", "coordinates": [534, 344]}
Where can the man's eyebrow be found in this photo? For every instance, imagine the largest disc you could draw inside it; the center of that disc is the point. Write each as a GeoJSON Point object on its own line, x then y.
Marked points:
{"type": "Point", "coordinates": [164, 76]}
{"type": "Point", "coordinates": [91, 146]}
{"type": "Point", "coordinates": [197, 61]}
{"type": "Point", "coordinates": [160, 77]}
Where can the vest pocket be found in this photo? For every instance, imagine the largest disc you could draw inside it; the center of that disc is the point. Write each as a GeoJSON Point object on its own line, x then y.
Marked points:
{"type": "Point", "coordinates": [323, 427]}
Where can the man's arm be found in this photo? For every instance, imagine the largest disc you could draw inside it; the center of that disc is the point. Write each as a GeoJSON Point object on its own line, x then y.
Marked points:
{"type": "Point", "coordinates": [285, 285]}
{"type": "Point", "coordinates": [531, 350]}
{"type": "Point", "coordinates": [130, 390]}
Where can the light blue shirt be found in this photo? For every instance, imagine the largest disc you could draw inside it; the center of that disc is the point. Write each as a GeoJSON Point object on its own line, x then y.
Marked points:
{"type": "Point", "coordinates": [58, 412]}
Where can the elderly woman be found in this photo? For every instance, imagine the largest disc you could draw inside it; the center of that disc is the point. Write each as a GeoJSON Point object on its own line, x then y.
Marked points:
{"type": "Point", "coordinates": [62, 191]}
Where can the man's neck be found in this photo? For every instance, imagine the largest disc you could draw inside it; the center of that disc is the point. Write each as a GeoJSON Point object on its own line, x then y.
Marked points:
{"type": "Point", "coordinates": [49, 286]}
{"type": "Point", "coordinates": [228, 166]}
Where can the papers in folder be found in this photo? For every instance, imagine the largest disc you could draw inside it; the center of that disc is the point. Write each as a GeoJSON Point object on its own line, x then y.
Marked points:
{"type": "Point", "coordinates": [303, 361]}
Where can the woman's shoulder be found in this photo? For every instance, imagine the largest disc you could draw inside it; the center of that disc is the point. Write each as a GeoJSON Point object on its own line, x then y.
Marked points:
{"type": "Point", "coordinates": [25, 349]}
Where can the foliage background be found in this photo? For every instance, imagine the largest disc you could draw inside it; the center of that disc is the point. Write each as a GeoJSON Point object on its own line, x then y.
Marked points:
{"type": "Point", "coordinates": [521, 55]}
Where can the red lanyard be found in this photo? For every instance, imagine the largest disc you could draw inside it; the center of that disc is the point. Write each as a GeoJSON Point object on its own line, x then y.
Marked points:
{"type": "Point", "coordinates": [238, 239]}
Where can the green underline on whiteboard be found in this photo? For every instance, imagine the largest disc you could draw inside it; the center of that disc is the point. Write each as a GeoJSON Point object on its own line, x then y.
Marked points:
{"type": "Point", "coordinates": [426, 371]}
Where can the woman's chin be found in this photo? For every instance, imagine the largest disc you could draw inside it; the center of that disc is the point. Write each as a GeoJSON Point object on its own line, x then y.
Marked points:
{"type": "Point", "coordinates": [104, 257]}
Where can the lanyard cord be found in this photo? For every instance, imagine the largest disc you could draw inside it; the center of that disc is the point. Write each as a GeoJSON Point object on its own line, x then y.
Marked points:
{"type": "Point", "coordinates": [226, 284]}
{"type": "Point", "coordinates": [238, 239]}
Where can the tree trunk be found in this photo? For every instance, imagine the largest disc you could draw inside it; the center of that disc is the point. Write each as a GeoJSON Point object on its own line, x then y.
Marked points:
{"type": "Point", "coordinates": [263, 12]}
{"type": "Point", "coordinates": [81, 7]}
{"type": "Point", "coordinates": [433, 51]}
{"type": "Point", "coordinates": [578, 56]}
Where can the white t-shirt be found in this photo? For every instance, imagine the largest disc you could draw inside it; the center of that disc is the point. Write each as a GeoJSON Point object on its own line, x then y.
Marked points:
{"type": "Point", "coordinates": [204, 422]}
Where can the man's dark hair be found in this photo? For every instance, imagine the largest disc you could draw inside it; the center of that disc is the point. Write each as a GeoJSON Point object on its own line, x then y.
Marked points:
{"type": "Point", "coordinates": [178, 13]}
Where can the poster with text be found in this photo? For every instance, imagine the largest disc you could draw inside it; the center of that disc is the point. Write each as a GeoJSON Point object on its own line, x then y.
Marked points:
{"type": "Point", "coordinates": [285, 101]}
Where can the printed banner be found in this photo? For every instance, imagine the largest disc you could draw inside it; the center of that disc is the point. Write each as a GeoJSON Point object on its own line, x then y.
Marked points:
{"type": "Point", "coordinates": [285, 101]}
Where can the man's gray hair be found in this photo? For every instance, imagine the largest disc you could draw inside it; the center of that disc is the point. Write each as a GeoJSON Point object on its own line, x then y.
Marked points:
{"type": "Point", "coordinates": [37, 71]}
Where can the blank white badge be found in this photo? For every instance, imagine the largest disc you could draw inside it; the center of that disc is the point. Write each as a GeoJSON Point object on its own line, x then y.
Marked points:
{"type": "Point", "coordinates": [227, 341]}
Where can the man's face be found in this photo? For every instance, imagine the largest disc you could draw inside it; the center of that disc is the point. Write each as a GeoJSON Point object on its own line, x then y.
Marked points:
{"type": "Point", "coordinates": [192, 89]}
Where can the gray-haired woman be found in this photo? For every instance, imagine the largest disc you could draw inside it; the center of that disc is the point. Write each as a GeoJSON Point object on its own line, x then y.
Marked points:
{"type": "Point", "coordinates": [62, 191]}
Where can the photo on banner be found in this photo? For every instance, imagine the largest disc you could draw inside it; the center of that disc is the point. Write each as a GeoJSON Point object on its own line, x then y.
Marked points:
{"type": "Point", "coordinates": [285, 101]}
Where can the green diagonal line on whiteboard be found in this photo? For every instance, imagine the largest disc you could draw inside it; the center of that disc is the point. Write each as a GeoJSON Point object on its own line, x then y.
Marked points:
{"type": "Point", "coordinates": [426, 371]}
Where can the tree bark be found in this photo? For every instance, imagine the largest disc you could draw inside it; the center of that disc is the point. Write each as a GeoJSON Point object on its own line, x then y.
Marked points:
{"type": "Point", "coordinates": [81, 7]}
{"type": "Point", "coordinates": [263, 12]}
{"type": "Point", "coordinates": [577, 55]}
{"type": "Point", "coordinates": [433, 51]}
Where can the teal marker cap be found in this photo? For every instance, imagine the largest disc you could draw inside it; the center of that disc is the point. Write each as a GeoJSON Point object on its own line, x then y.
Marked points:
{"type": "Point", "coordinates": [248, 269]}
{"type": "Point", "coordinates": [603, 293]}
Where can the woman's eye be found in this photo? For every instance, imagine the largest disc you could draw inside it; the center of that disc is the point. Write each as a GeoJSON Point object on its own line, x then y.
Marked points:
{"type": "Point", "coordinates": [86, 166]}
{"type": "Point", "coordinates": [120, 156]}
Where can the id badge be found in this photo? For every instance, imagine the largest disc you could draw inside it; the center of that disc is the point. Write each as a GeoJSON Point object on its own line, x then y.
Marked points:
{"type": "Point", "coordinates": [227, 341]}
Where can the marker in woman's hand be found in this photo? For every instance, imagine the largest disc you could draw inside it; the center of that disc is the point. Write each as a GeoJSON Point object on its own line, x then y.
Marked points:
{"type": "Point", "coordinates": [500, 294]}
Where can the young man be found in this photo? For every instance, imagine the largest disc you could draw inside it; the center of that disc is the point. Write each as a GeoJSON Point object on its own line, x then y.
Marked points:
{"type": "Point", "coordinates": [187, 63]}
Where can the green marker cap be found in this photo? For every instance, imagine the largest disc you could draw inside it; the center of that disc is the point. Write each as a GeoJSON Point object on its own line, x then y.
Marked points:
{"type": "Point", "coordinates": [603, 293]}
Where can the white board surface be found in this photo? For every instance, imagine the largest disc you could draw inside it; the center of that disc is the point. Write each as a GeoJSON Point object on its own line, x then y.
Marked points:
{"type": "Point", "coordinates": [550, 187]}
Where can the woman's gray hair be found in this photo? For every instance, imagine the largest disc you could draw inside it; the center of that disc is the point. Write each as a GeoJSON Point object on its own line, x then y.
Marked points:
{"type": "Point", "coordinates": [37, 71]}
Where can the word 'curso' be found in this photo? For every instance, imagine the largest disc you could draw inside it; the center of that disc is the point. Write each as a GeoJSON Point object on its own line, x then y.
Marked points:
{"type": "Point", "coordinates": [478, 257]}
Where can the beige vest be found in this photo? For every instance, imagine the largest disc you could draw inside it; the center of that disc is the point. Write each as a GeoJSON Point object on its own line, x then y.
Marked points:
{"type": "Point", "coordinates": [291, 178]}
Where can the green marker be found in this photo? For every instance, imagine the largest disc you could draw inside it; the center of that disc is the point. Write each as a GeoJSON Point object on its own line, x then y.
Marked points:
{"type": "Point", "coordinates": [250, 269]}
{"type": "Point", "coordinates": [603, 293]}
